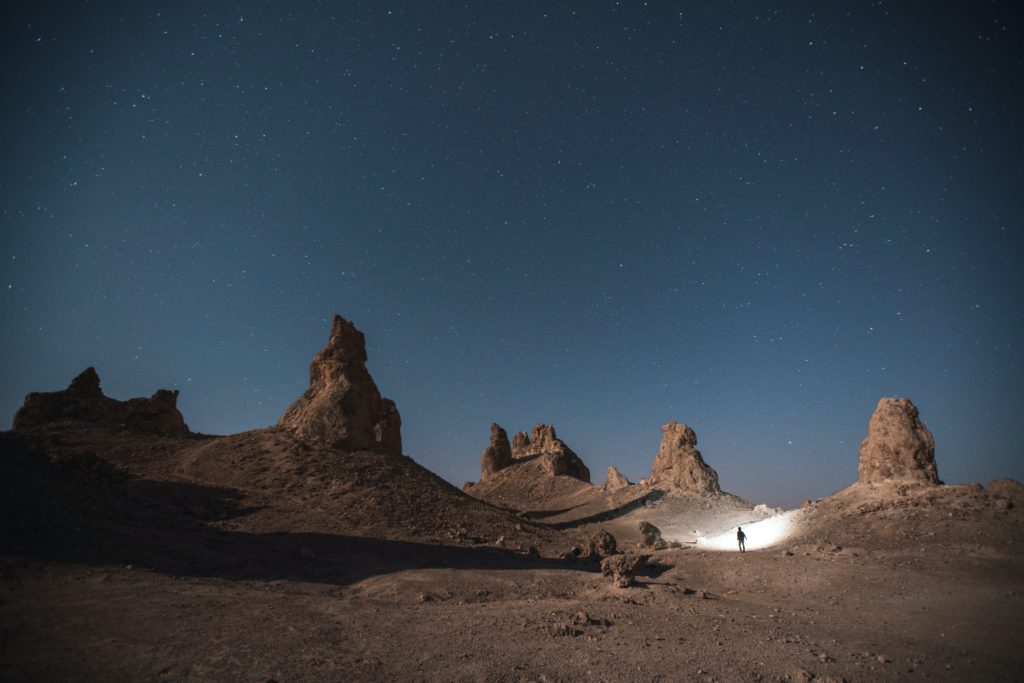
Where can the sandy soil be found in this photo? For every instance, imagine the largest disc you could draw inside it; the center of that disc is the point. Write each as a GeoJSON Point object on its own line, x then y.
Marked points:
{"type": "Point", "coordinates": [251, 560]}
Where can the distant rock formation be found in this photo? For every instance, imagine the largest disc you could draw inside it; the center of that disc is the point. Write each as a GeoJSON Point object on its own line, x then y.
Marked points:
{"type": "Point", "coordinates": [558, 459]}
{"type": "Point", "coordinates": [679, 464]}
{"type": "Point", "coordinates": [342, 407]}
{"type": "Point", "coordinates": [615, 480]}
{"type": "Point", "coordinates": [898, 446]}
{"type": "Point", "coordinates": [1010, 489]}
{"type": "Point", "coordinates": [83, 401]}
{"type": "Point", "coordinates": [498, 455]}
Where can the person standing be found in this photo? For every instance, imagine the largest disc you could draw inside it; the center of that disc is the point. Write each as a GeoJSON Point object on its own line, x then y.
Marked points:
{"type": "Point", "coordinates": [741, 537]}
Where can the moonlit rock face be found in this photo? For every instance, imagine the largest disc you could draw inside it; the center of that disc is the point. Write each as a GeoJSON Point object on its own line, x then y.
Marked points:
{"type": "Point", "coordinates": [679, 464]}
{"type": "Point", "coordinates": [898, 446]}
{"type": "Point", "coordinates": [498, 455]}
{"type": "Point", "coordinates": [551, 452]}
{"type": "Point", "coordinates": [342, 407]}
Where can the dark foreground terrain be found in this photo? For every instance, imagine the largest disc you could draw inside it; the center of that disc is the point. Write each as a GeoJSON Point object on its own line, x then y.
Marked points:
{"type": "Point", "coordinates": [252, 558]}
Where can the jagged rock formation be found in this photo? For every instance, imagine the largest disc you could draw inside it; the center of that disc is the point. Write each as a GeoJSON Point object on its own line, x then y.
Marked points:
{"type": "Point", "coordinates": [498, 455]}
{"type": "Point", "coordinates": [342, 407]}
{"type": "Point", "coordinates": [622, 568]}
{"type": "Point", "coordinates": [599, 545]}
{"type": "Point", "coordinates": [679, 464]}
{"type": "Point", "coordinates": [898, 446]}
{"type": "Point", "coordinates": [83, 401]}
{"type": "Point", "coordinates": [555, 456]}
{"type": "Point", "coordinates": [615, 480]}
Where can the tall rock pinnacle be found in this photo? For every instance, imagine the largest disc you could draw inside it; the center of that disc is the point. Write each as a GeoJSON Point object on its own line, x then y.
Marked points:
{"type": "Point", "coordinates": [498, 455]}
{"type": "Point", "coordinates": [898, 446]}
{"type": "Point", "coordinates": [679, 463]}
{"type": "Point", "coordinates": [342, 407]}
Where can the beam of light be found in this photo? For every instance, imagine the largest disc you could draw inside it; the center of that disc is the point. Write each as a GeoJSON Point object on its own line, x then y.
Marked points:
{"type": "Point", "coordinates": [763, 534]}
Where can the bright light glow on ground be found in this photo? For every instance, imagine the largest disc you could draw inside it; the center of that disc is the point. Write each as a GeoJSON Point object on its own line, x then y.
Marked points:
{"type": "Point", "coordinates": [763, 534]}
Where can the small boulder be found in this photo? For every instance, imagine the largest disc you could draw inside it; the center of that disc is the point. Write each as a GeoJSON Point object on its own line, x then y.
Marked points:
{"type": "Point", "coordinates": [621, 569]}
{"type": "Point", "coordinates": [600, 545]}
{"type": "Point", "coordinates": [652, 536]}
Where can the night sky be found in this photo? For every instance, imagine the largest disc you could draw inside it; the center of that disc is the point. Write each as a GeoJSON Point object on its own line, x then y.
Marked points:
{"type": "Point", "coordinates": [755, 218]}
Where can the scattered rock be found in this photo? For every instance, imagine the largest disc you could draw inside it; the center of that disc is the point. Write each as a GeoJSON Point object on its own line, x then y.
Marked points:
{"type": "Point", "coordinates": [622, 568]}
{"type": "Point", "coordinates": [498, 455]}
{"type": "Point", "coordinates": [600, 545]}
{"type": "Point", "coordinates": [83, 401]}
{"type": "Point", "coordinates": [652, 536]}
{"type": "Point", "coordinates": [342, 407]}
{"type": "Point", "coordinates": [561, 628]}
{"type": "Point", "coordinates": [679, 464]}
{"type": "Point", "coordinates": [615, 480]}
{"type": "Point", "coordinates": [898, 446]}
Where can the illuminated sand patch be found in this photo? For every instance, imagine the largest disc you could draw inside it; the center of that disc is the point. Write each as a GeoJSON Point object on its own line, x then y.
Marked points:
{"type": "Point", "coordinates": [762, 534]}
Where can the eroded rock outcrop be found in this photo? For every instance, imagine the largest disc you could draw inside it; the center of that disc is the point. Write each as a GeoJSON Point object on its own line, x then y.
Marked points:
{"type": "Point", "coordinates": [83, 401]}
{"type": "Point", "coordinates": [1010, 489]}
{"type": "Point", "coordinates": [342, 407]}
{"type": "Point", "coordinates": [551, 452]}
{"type": "Point", "coordinates": [679, 464]}
{"type": "Point", "coordinates": [898, 446]}
{"type": "Point", "coordinates": [498, 455]}
{"type": "Point", "coordinates": [615, 480]}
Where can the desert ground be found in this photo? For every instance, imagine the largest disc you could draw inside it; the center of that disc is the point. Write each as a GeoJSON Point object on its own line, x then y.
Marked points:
{"type": "Point", "coordinates": [315, 550]}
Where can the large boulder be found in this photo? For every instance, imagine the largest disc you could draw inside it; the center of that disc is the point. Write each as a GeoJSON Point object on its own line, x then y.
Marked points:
{"type": "Point", "coordinates": [498, 455]}
{"type": "Point", "coordinates": [898, 446]}
{"type": "Point", "coordinates": [83, 402]}
{"type": "Point", "coordinates": [342, 408]}
{"type": "Point", "coordinates": [555, 457]}
{"type": "Point", "coordinates": [679, 464]}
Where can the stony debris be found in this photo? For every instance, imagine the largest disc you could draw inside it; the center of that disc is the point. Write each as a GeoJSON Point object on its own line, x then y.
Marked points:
{"type": "Point", "coordinates": [498, 455]}
{"type": "Point", "coordinates": [679, 464]}
{"type": "Point", "coordinates": [898, 446]}
{"type": "Point", "coordinates": [342, 408]}
{"type": "Point", "coordinates": [622, 568]}
{"type": "Point", "coordinates": [83, 402]}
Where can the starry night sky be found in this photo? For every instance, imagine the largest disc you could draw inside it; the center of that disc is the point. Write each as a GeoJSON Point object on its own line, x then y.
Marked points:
{"type": "Point", "coordinates": [755, 218]}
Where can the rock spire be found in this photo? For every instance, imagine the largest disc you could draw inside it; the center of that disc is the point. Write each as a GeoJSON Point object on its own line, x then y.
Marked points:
{"type": "Point", "coordinates": [898, 446]}
{"type": "Point", "coordinates": [342, 407]}
{"type": "Point", "coordinates": [679, 464]}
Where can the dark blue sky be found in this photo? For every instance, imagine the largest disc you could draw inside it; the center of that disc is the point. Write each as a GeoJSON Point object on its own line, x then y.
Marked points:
{"type": "Point", "coordinates": [753, 218]}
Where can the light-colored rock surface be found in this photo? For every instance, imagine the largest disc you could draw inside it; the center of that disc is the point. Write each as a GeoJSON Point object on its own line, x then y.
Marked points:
{"type": "Point", "coordinates": [898, 446]}
{"type": "Point", "coordinates": [615, 480]}
{"type": "Point", "coordinates": [679, 464]}
{"type": "Point", "coordinates": [498, 455]}
{"type": "Point", "coordinates": [555, 457]}
{"type": "Point", "coordinates": [342, 407]}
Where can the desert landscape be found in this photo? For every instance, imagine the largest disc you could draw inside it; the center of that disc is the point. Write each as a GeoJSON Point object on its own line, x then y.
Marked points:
{"type": "Point", "coordinates": [317, 549]}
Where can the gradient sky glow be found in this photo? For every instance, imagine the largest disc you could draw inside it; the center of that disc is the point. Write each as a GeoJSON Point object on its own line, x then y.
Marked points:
{"type": "Point", "coordinates": [755, 218]}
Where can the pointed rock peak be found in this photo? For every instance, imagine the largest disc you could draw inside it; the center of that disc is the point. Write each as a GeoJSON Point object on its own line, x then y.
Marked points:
{"type": "Point", "coordinates": [615, 480]}
{"type": "Point", "coordinates": [342, 407]}
{"type": "Point", "coordinates": [498, 455]}
{"type": "Point", "coordinates": [679, 464]}
{"type": "Point", "coordinates": [898, 446]}
{"type": "Point", "coordinates": [87, 384]}
{"type": "Point", "coordinates": [346, 342]}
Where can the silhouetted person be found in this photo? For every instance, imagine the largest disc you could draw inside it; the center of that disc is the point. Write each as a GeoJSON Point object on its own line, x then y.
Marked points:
{"type": "Point", "coordinates": [741, 537]}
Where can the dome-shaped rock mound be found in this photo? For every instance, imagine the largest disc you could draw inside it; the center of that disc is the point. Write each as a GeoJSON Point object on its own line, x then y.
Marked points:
{"type": "Point", "coordinates": [342, 407]}
{"type": "Point", "coordinates": [898, 446]}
